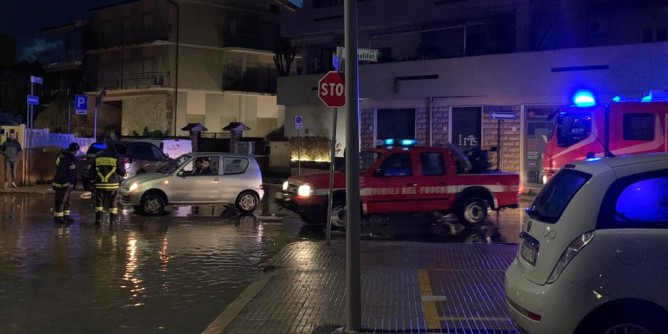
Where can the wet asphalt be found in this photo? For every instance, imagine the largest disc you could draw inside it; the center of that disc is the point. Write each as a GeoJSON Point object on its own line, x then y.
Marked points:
{"type": "Point", "coordinates": [168, 274]}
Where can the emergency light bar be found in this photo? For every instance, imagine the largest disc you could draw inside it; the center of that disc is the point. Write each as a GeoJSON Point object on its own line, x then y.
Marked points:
{"type": "Point", "coordinates": [584, 98]}
{"type": "Point", "coordinates": [390, 142]}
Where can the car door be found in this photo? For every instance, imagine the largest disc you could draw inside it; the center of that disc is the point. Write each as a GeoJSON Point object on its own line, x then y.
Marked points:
{"type": "Point", "coordinates": [392, 187]}
{"type": "Point", "coordinates": [191, 188]}
{"type": "Point", "coordinates": [432, 183]}
{"type": "Point", "coordinates": [234, 180]}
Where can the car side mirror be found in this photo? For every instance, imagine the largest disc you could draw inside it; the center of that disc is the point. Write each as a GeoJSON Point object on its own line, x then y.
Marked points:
{"type": "Point", "coordinates": [378, 172]}
{"type": "Point", "coordinates": [181, 173]}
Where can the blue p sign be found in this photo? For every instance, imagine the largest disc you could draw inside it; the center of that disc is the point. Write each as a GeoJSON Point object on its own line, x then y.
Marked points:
{"type": "Point", "coordinates": [81, 104]}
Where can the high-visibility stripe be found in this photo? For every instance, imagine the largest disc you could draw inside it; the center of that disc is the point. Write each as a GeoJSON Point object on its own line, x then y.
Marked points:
{"type": "Point", "coordinates": [105, 161]}
{"type": "Point", "coordinates": [107, 186]}
{"type": "Point", "coordinates": [99, 209]}
{"type": "Point", "coordinates": [58, 214]}
{"type": "Point", "coordinates": [66, 212]}
{"type": "Point", "coordinates": [60, 185]}
{"type": "Point", "coordinates": [114, 211]}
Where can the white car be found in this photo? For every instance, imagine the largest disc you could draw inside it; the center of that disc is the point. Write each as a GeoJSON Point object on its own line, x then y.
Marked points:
{"type": "Point", "coordinates": [233, 179]}
{"type": "Point", "coordinates": [593, 255]}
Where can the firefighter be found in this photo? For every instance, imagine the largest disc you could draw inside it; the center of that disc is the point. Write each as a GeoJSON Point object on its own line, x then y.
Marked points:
{"type": "Point", "coordinates": [63, 182]}
{"type": "Point", "coordinates": [106, 174]}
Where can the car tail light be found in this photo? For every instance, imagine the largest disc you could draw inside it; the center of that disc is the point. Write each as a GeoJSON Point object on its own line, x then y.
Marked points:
{"type": "Point", "coordinates": [573, 249]}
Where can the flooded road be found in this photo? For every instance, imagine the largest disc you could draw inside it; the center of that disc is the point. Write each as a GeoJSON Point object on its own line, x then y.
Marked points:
{"type": "Point", "coordinates": [169, 274]}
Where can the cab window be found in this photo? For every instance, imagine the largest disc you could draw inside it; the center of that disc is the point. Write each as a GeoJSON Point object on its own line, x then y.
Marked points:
{"type": "Point", "coordinates": [398, 164]}
{"type": "Point", "coordinates": [431, 163]}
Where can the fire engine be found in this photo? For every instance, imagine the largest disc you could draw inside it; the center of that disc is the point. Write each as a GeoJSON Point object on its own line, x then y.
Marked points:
{"type": "Point", "coordinates": [404, 178]}
{"type": "Point", "coordinates": [589, 130]}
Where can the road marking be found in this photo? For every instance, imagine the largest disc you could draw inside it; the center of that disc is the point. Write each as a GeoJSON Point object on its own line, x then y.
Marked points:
{"type": "Point", "coordinates": [474, 319]}
{"type": "Point", "coordinates": [434, 298]}
{"type": "Point", "coordinates": [429, 306]}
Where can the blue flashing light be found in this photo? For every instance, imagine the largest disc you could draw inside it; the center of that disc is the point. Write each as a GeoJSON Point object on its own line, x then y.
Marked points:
{"type": "Point", "coordinates": [399, 142]}
{"type": "Point", "coordinates": [593, 159]}
{"type": "Point", "coordinates": [617, 98]}
{"type": "Point", "coordinates": [647, 98]}
{"type": "Point", "coordinates": [100, 146]}
{"type": "Point", "coordinates": [584, 98]}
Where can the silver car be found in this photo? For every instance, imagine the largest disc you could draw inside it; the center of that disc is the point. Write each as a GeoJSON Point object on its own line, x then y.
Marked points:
{"type": "Point", "coordinates": [230, 178]}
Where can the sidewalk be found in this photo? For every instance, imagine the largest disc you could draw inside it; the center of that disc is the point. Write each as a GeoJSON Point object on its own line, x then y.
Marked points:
{"type": "Point", "coordinates": [406, 287]}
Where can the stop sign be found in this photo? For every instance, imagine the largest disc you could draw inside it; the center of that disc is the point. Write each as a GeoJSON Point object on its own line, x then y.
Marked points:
{"type": "Point", "coordinates": [331, 89]}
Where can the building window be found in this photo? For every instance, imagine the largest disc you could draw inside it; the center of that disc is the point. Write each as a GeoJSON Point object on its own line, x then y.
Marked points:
{"type": "Point", "coordinates": [647, 35]}
{"type": "Point", "coordinates": [661, 34]}
{"type": "Point", "coordinates": [148, 21]}
{"type": "Point", "coordinates": [395, 123]}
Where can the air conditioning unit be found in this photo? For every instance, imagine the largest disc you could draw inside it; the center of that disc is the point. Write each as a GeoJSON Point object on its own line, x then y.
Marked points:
{"type": "Point", "coordinates": [245, 147]}
{"type": "Point", "coordinates": [598, 26]}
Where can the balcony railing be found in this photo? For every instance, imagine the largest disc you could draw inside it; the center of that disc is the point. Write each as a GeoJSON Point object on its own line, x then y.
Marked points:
{"type": "Point", "coordinates": [60, 56]}
{"type": "Point", "coordinates": [250, 41]}
{"type": "Point", "coordinates": [132, 35]}
{"type": "Point", "coordinates": [143, 80]}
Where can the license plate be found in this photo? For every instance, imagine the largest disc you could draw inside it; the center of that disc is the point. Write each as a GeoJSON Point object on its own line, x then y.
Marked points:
{"type": "Point", "coordinates": [529, 252]}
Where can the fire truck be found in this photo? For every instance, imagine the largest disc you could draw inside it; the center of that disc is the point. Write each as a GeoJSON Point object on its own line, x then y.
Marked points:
{"type": "Point", "coordinates": [404, 178]}
{"type": "Point", "coordinates": [587, 130]}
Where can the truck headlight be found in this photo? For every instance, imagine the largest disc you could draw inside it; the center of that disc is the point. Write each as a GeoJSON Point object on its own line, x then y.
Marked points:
{"type": "Point", "coordinates": [304, 190]}
{"type": "Point", "coordinates": [134, 186]}
{"type": "Point", "coordinates": [285, 185]}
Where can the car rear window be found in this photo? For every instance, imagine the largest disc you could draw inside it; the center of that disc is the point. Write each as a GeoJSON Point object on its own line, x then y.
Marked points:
{"type": "Point", "coordinates": [557, 193]}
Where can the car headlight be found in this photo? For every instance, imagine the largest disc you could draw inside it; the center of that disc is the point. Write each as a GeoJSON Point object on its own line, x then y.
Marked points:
{"type": "Point", "coordinates": [285, 185]}
{"type": "Point", "coordinates": [573, 249]}
{"type": "Point", "coordinates": [134, 186]}
{"type": "Point", "coordinates": [304, 190]}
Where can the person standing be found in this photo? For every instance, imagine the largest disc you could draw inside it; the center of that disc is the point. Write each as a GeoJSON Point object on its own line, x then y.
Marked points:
{"type": "Point", "coordinates": [11, 149]}
{"type": "Point", "coordinates": [63, 182]}
{"type": "Point", "coordinates": [105, 174]}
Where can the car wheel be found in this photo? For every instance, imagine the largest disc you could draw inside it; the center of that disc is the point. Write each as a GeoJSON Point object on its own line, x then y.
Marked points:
{"type": "Point", "coordinates": [473, 210]}
{"type": "Point", "coordinates": [247, 202]}
{"type": "Point", "coordinates": [153, 204]}
{"type": "Point", "coordinates": [338, 216]}
{"type": "Point", "coordinates": [640, 319]}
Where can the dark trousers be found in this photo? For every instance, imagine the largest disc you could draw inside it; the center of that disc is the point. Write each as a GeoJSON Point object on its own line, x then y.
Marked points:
{"type": "Point", "coordinates": [106, 198]}
{"type": "Point", "coordinates": [62, 205]}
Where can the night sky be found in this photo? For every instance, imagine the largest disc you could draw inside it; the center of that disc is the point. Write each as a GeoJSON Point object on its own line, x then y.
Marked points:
{"type": "Point", "coordinates": [23, 20]}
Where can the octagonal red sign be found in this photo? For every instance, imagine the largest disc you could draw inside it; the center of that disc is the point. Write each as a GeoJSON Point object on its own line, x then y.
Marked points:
{"type": "Point", "coordinates": [331, 89]}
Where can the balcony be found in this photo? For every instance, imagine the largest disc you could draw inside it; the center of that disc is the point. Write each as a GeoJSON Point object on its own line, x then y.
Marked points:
{"type": "Point", "coordinates": [249, 41]}
{"type": "Point", "coordinates": [132, 35]}
{"type": "Point", "coordinates": [60, 59]}
{"type": "Point", "coordinates": [145, 80]}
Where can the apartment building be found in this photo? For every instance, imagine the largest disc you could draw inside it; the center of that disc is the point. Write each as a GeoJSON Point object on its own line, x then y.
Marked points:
{"type": "Point", "coordinates": [481, 74]}
{"type": "Point", "coordinates": [161, 64]}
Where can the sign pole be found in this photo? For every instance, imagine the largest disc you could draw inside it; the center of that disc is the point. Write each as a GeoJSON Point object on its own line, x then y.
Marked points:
{"type": "Point", "coordinates": [299, 153]}
{"type": "Point", "coordinates": [331, 177]}
{"type": "Point", "coordinates": [353, 275]}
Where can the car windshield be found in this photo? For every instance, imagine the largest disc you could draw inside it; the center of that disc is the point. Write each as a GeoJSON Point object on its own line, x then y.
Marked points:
{"type": "Point", "coordinates": [175, 164]}
{"type": "Point", "coordinates": [367, 159]}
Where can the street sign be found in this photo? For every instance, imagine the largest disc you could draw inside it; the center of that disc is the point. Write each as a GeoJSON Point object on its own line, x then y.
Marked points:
{"type": "Point", "coordinates": [299, 122]}
{"type": "Point", "coordinates": [370, 55]}
{"type": "Point", "coordinates": [331, 90]}
{"type": "Point", "coordinates": [502, 115]}
{"type": "Point", "coordinates": [37, 80]}
{"type": "Point", "coordinates": [81, 104]}
{"type": "Point", "coordinates": [33, 100]}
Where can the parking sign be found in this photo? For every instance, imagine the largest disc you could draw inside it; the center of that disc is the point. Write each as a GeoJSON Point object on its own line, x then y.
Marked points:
{"type": "Point", "coordinates": [299, 122]}
{"type": "Point", "coordinates": [81, 104]}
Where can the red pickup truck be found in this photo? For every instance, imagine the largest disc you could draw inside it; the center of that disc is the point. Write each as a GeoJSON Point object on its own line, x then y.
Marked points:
{"type": "Point", "coordinates": [401, 180]}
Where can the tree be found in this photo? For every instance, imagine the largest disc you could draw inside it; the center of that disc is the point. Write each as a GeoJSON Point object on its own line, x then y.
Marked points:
{"type": "Point", "coordinates": [284, 55]}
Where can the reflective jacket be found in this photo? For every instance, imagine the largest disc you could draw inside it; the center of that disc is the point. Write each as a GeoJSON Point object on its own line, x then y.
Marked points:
{"type": "Point", "coordinates": [66, 171]}
{"type": "Point", "coordinates": [107, 170]}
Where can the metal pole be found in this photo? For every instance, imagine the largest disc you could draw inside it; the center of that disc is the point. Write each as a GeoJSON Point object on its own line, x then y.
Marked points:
{"type": "Point", "coordinates": [299, 154]}
{"type": "Point", "coordinates": [331, 177]}
{"type": "Point", "coordinates": [29, 132]}
{"type": "Point", "coordinates": [353, 277]}
{"type": "Point", "coordinates": [69, 117]}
